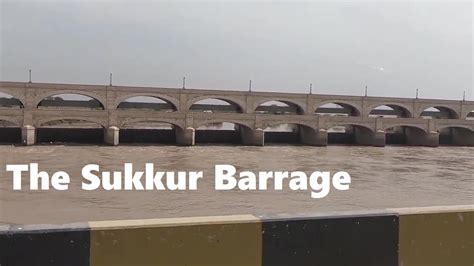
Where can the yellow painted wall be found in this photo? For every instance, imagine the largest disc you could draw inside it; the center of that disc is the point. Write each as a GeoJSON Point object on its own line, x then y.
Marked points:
{"type": "Point", "coordinates": [201, 244]}
{"type": "Point", "coordinates": [437, 239]}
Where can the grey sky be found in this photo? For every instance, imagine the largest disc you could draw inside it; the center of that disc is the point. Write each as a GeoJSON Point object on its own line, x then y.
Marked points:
{"type": "Point", "coordinates": [339, 47]}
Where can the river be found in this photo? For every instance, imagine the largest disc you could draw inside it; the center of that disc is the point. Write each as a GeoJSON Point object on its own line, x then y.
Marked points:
{"type": "Point", "coordinates": [393, 176]}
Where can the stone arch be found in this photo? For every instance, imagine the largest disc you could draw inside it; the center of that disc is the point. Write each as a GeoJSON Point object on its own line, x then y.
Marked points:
{"type": "Point", "coordinates": [311, 125]}
{"type": "Point", "coordinates": [92, 95]}
{"type": "Point", "coordinates": [345, 124]}
{"type": "Point", "coordinates": [170, 100]}
{"type": "Point", "coordinates": [423, 128]}
{"type": "Point", "coordinates": [300, 108]}
{"type": "Point", "coordinates": [151, 120]}
{"type": "Point", "coordinates": [354, 134]}
{"type": "Point", "coordinates": [452, 114]}
{"type": "Point", "coordinates": [14, 97]}
{"type": "Point", "coordinates": [471, 128]}
{"type": "Point", "coordinates": [40, 122]}
{"type": "Point", "coordinates": [469, 115]}
{"type": "Point", "coordinates": [231, 100]}
{"type": "Point", "coordinates": [405, 110]}
{"type": "Point", "coordinates": [456, 135]}
{"type": "Point", "coordinates": [355, 109]}
{"type": "Point", "coordinates": [411, 135]}
{"type": "Point", "coordinates": [9, 119]}
{"type": "Point", "coordinates": [292, 132]}
{"type": "Point", "coordinates": [247, 124]}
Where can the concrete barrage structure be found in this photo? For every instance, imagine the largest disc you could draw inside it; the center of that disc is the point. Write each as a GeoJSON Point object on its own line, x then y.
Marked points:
{"type": "Point", "coordinates": [453, 118]}
{"type": "Point", "coordinates": [391, 237]}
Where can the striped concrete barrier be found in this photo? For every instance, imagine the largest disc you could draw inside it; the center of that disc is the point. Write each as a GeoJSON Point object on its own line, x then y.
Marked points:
{"type": "Point", "coordinates": [405, 237]}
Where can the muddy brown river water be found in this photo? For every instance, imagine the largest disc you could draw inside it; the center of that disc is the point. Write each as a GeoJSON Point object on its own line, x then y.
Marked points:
{"type": "Point", "coordinates": [393, 176]}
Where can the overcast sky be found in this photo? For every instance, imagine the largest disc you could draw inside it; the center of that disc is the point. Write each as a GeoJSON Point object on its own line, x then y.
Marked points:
{"type": "Point", "coordinates": [340, 47]}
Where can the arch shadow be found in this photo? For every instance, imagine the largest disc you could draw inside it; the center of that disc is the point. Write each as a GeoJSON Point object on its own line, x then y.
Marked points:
{"type": "Point", "coordinates": [69, 131]}
{"type": "Point", "coordinates": [149, 132]}
{"type": "Point", "coordinates": [10, 132]}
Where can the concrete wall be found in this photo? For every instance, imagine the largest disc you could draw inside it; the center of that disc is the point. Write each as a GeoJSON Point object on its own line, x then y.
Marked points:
{"type": "Point", "coordinates": [417, 137]}
{"type": "Point", "coordinates": [457, 137]}
{"type": "Point", "coordinates": [435, 236]}
{"type": "Point", "coordinates": [364, 136]}
{"type": "Point", "coordinates": [252, 137]}
{"type": "Point", "coordinates": [312, 137]}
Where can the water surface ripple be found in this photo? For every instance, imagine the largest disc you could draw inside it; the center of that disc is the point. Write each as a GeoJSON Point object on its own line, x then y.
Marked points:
{"type": "Point", "coordinates": [381, 177]}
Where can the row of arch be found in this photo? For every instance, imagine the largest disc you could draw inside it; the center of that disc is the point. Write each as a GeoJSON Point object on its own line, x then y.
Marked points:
{"type": "Point", "coordinates": [212, 132]}
{"type": "Point", "coordinates": [150, 122]}
{"type": "Point", "coordinates": [218, 104]}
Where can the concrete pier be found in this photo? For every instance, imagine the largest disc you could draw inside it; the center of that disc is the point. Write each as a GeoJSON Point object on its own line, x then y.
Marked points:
{"type": "Point", "coordinates": [312, 137]}
{"type": "Point", "coordinates": [111, 136]}
{"type": "Point", "coordinates": [462, 137]}
{"type": "Point", "coordinates": [253, 137]}
{"type": "Point", "coordinates": [28, 135]}
{"type": "Point", "coordinates": [185, 137]}
{"type": "Point", "coordinates": [367, 137]}
{"type": "Point", "coordinates": [417, 137]}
